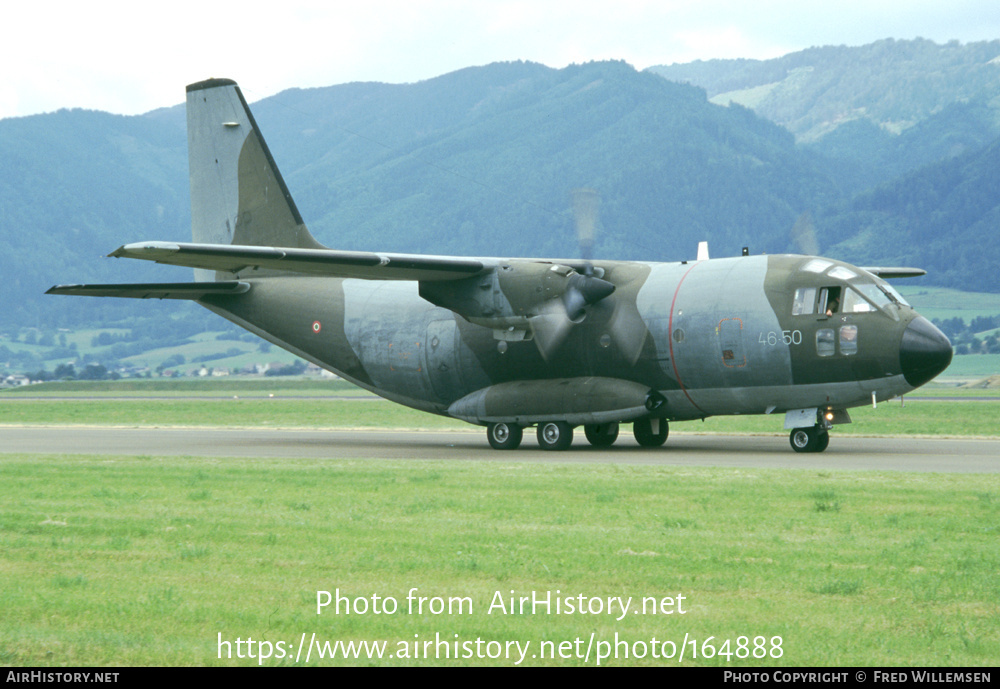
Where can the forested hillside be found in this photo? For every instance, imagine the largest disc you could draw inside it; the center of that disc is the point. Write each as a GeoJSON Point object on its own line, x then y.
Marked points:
{"type": "Point", "coordinates": [894, 84]}
{"type": "Point", "coordinates": [482, 162]}
{"type": "Point", "coordinates": [945, 216]}
{"type": "Point", "coordinates": [909, 128]}
{"type": "Point", "coordinates": [478, 162]}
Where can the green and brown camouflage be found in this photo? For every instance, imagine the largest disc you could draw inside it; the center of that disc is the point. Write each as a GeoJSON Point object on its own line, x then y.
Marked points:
{"type": "Point", "coordinates": [513, 343]}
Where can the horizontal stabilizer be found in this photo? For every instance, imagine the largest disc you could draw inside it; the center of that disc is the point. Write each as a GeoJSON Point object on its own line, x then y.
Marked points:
{"type": "Point", "coordinates": [155, 290]}
{"type": "Point", "coordinates": [323, 262]}
{"type": "Point", "coordinates": [885, 273]}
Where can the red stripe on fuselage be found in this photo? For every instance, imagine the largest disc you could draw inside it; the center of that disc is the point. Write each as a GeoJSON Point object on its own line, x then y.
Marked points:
{"type": "Point", "coordinates": [670, 337]}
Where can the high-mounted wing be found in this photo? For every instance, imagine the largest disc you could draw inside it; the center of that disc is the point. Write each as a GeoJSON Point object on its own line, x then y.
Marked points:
{"type": "Point", "coordinates": [889, 272]}
{"type": "Point", "coordinates": [323, 262]}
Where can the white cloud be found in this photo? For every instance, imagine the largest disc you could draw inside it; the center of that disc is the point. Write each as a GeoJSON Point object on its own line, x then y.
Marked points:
{"type": "Point", "coordinates": [132, 57]}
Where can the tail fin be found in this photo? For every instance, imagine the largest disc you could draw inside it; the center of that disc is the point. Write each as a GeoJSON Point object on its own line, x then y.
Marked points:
{"type": "Point", "coordinates": [237, 193]}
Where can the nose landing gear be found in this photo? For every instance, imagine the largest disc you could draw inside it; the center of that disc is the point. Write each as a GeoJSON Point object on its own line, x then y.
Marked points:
{"type": "Point", "coordinates": [814, 439]}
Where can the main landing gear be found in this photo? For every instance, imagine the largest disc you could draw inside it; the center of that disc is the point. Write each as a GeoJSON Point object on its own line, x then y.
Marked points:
{"type": "Point", "coordinates": [814, 439]}
{"type": "Point", "coordinates": [504, 436]}
{"type": "Point", "coordinates": [558, 435]}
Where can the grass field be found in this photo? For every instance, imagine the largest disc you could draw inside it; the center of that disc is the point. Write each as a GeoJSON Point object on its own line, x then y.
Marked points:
{"type": "Point", "coordinates": [155, 560]}
{"type": "Point", "coordinates": [943, 303]}
{"type": "Point", "coordinates": [915, 417]}
{"type": "Point", "coordinates": [277, 386]}
{"type": "Point", "coordinates": [148, 560]}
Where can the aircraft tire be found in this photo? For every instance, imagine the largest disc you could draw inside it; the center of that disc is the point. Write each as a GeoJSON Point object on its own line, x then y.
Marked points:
{"type": "Point", "coordinates": [555, 435]}
{"type": "Point", "coordinates": [601, 434]}
{"type": "Point", "coordinates": [644, 435]}
{"type": "Point", "coordinates": [807, 439]}
{"type": "Point", "coordinates": [504, 436]}
{"type": "Point", "coordinates": [823, 441]}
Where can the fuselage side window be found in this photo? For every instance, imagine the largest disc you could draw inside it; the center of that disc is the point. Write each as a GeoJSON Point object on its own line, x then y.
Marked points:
{"type": "Point", "coordinates": [825, 342]}
{"type": "Point", "coordinates": [805, 301]}
{"type": "Point", "coordinates": [849, 340]}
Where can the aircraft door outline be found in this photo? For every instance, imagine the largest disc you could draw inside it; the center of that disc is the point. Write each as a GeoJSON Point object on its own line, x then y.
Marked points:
{"type": "Point", "coordinates": [730, 331]}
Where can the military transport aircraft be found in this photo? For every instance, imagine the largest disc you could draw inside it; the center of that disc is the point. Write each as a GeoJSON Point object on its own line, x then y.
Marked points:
{"type": "Point", "coordinates": [511, 343]}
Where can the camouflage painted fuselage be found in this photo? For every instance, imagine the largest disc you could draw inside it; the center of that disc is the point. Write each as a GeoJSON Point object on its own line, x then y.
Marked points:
{"type": "Point", "coordinates": [713, 337]}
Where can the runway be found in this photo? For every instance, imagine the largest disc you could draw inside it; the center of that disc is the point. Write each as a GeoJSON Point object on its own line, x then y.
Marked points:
{"type": "Point", "coordinates": [681, 449]}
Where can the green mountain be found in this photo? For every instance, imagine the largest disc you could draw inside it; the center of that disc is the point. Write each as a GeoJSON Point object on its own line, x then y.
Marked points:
{"type": "Point", "coordinates": [944, 216]}
{"type": "Point", "coordinates": [880, 110]}
{"type": "Point", "coordinates": [73, 186]}
{"type": "Point", "coordinates": [477, 162]}
{"type": "Point", "coordinates": [893, 84]}
{"type": "Point", "coordinates": [483, 161]}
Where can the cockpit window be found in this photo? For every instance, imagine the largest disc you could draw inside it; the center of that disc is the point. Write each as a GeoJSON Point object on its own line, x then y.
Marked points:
{"type": "Point", "coordinates": [829, 300]}
{"type": "Point", "coordinates": [855, 303]}
{"type": "Point", "coordinates": [842, 273]}
{"type": "Point", "coordinates": [875, 294]}
{"type": "Point", "coordinates": [817, 265]}
{"type": "Point", "coordinates": [893, 294]}
{"type": "Point", "coordinates": [804, 302]}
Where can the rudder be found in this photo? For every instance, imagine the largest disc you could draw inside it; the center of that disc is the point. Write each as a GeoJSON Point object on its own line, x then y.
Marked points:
{"type": "Point", "coordinates": [237, 193]}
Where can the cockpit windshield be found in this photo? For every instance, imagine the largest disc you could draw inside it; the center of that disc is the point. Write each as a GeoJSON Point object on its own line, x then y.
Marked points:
{"type": "Point", "coordinates": [893, 294]}
{"type": "Point", "coordinates": [858, 295]}
{"type": "Point", "coordinates": [854, 303]}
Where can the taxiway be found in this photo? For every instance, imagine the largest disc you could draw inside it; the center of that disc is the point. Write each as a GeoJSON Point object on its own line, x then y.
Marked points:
{"type": "Point", "coordinates": [683, 449]}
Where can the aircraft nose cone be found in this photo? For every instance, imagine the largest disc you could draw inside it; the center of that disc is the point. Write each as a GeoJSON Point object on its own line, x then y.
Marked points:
{"type": "Point", "coordinates": [924, 352]}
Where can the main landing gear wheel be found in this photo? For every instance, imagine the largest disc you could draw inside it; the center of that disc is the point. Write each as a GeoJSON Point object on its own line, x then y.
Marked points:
{"type": "Point", "coordinates": [504, 436]}
{"type": "Point", "coordinates": [601, 434]}
{"type": "Point", "coordinates": [651, 432]}
{"type": "Point", "coordinates": [814, 439]}
{"type": "Point", "coordinates": [555, 435]}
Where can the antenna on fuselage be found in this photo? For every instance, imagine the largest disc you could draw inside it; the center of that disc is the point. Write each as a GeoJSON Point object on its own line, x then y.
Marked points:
{"type": "Point", "coordinates": [702, 251]}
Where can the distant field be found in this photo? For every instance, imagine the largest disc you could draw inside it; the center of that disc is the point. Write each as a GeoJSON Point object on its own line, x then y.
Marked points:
{"type": "Point", "coordinates": [943, 303]}
{"type": "Point", "coordinates": [287, 409]}
{"type": "Point", "coordinates": [972, 367]}
{"type": "Point", "coordinates": [228, 386]}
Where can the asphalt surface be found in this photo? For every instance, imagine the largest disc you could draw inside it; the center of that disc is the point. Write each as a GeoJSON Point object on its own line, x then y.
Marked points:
{"type": "Point", "coordinates": [881, 454]}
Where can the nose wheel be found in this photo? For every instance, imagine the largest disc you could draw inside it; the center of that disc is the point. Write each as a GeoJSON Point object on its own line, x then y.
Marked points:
{"type": "Point", "coordinates": [814, 439]}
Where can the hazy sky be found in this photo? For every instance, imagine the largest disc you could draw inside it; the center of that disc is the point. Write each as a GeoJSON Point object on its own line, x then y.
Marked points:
{"type": "Point", "coordinates": [132, 57]}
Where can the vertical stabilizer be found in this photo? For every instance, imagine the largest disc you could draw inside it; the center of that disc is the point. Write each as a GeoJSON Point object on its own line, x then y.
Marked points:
{"type": "Point", "coordinates": [237, 193]}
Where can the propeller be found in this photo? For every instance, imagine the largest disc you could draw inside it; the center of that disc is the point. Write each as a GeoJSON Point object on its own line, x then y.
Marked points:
{"type": "Point", "coordinates": [625, 325]}
{"type": "Point", "coordinates": [556, 316]}
{"type": "Point", "coordinates": [574, 295]}
{"type": "Point", "coordinates": [804, 235]}
{"type": "Point", "coordinates": [586, 203]}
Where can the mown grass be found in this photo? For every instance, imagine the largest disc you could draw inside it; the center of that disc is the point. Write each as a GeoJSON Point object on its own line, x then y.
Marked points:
{"type": "Point", "coordinates": [146, 560]}
{"type": "Point", "coordinates": [915, 418]}
{"type": "Point", "coordinates": [190, 387]}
